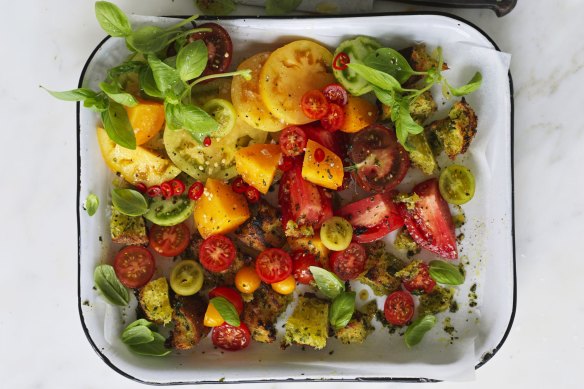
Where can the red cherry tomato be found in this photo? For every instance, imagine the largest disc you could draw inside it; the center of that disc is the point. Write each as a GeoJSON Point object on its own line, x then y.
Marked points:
{"type": "Point", "coordinates": [178, 187]}
{"type": "Point", "coordinates": [292, 141]}
{"type": "Point", "coordinates": [285, 164]}
{"type": "Point", "coordinates": [169, 241]}
{"type": "Point", "coordinates": [273, 265]}
{"type": "Point", "coordinates": [314, 104]}
{"type": "Point", "coordinates": [301, 266]}
{"type": "Point", "coordinates": [238, 185]}
{"type": "Point", "coordinates": [420, 282]}
{"type": "Point", "coordinates": [196, 191]}
{"type": "Point", "coordinates": [231, 338]}
{"type": "Point", "coordinates": [230, 295]}
{"type": "Point", "coordinates": [399, 308]}
{"type": "Point", "coordinates": [336, 94]}
{"type": "Point", "coordinates": [334, 118]}
{"type": "Point", "coordinates": [154, 191]}
{"type": "Point", "coordinates": [252, 194]}
{"type": "Point", "coordinates": [349, 263]}
{"type": "Point", "coordinates": [217, 253]}
{"type": "Point", "coordinates": [219, 47]}
{"type": "Point", "coordinates": [166, 189]}
{"type": "Point", "coordinates": [134, 266]}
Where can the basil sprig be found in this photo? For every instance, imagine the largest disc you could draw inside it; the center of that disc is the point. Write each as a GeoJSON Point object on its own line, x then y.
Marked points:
{"type": "Point", "coordinates": [129, 202]}
{"type": "Point", "coordinates": [111, 288]}
{"type": "Point", "coordinates": [342, 309]}
{"type": "Point", "coordinates": [445, 273]}
{"type": "Point", "coordinates": [418, 329]}
{"type": "Point", "coordinates": [327, 283]}
{"type": "Point", "coordinates": [91, 204]}
{"type": "Point", "coordinates": [141, 338]}
{"type": "Point", "coordinates": [111, 18]}
{"type": "Point", "coordinates": [226, 310]}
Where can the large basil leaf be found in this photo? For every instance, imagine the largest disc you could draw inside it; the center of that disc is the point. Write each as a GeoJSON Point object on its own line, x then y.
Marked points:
{"type": "Point", "coordinates": [112, 19]}
{"type": "Point", "coordinates": [167, 79]}
{"type": "Point", "coordinates": [376, 77]}
{"type": "Point", "coordinates": [328, 283]}
{"type": "Point", "coordinates": [390, 61]}
{"type": "Point", "coordinates": [192, 60]}
{"type": "Point", "coordinates": [418, 329]}
{"type": "Point", "coordinates": [117, 125]}
{"type": "Point", "coordinates": [226, 310]}
{"type": "Point", "coordinates": [445, 273]}
{"type": "Point", "coordinates": [117, 95]}
{"type": "Point", "coordinates": [129, 202]}
{"type": "Point", "coordinates": [111, 288]}
{"type": "Point", "coordinates": [79, 94]}
{"type": "Point", "coordinates": [190, 118]}
{"type": "Point", "coordinates": [342, 309]}
{"type": "Point", "coordinates": [154, 348]}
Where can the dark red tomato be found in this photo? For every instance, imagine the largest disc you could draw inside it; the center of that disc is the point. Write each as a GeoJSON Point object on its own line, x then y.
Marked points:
{"type": "Point", "coordinates": [314, 104]}
{"type": "Point", "coordinates": [399, 308]}
{"type": "Point", "coordinates": [285, 164]}
{"type": "Point", "coordinates": [231, 338]}
{"type": "Point", "coordinates": [169, 241]}
{"type": "Point", "coordinates": [216, 253]}
{"type": "Point", "coordinates": [134, 266]}
{"type": "Point", "coordinates": [273, 265]}
{"type": "Point", "coordinates": [302, 261]}
{"type": "Point", "coordinates": [230, 295]}
{"type": "Point", "coordinates": [238, 185]}
{"type": "Point", "coordinates": [219, 47]}
{"type": "Point", "coordinates": [334, 119]}
{"type": "Point", "coordinates": [336, 94]}
{"type": "Point", "coordinates": [430, 222]}
{"type": "Point", "coordinates": [349, 263]}
{"type": "Point", "coordinates": [293, 141]}
{"type": "Point", "coordinates": [420, 281]}
{"type": "Point", "coordinates": [334, 141]}
{"type": "Point", "coordinates": [382, 163]}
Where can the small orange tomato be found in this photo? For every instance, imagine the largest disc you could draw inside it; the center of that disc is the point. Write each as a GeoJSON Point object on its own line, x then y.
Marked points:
{"type": "Point", "coordinates": [212, 317]}
{"type": "Point", "coordinates": [247, 280]}
{"type": "Point", "coordinates": [286, 286]}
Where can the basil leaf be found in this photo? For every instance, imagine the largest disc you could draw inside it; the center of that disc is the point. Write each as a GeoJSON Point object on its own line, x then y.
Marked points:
{"type": "Point", "coordinates": [99, 103]}
{"type": "Point", "coordinates": [190, 118]}
{"type": "Point", "coordinates": [137, 335]}
{"type": "Point", "coordinates": [376, 77]}
{"type": "Point", "coordinates": [142, 322]}
{"type": "Point", "coordinates": [445, 273]}
{"type": "Point", "coordinates": [328, 283]}
{"type": "Point", "coordinates": [129, 202]}
{"type": "Point", "coordinates": [390, 61]}
{"type": "Point", "coordinates": [148, 84]}
{"type": "Point", "coordinates": [167, 79]}
{"type": "Point", "coordinates": [111, 288]}
{"type": "Point", "coordinates": [192, 60]}
{"type": "Point", "coordinates": [342, 309]}
{"type": "Point", "coordinates": [154, 348]}
{"type": "Point", "coordinates": [114, 93]}
{"type": "Point", "coordinates": [474, 84]}
{"type": "Point", "coordinates": [226, 310]}
{"type": "Point", "coordinates": [150, 39]}
{"type": "Point", "coordinates": [79, 94]}
{"type": "Point", "coordinates": [112, 19]}
{"type": "Point", "coordinates": [91, 204]}
{"type": "Point", "coordinates": [281, 7]}
{"type": "Point", "coordinates": [117, 125]}
{"type": "Point", "coordinates": [418, 329]}
{"type": "Point", "coordinates": [216, 7]}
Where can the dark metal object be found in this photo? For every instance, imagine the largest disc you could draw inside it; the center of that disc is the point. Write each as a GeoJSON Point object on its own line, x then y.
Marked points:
{"type": "Point", "coordinates": [501, 7]}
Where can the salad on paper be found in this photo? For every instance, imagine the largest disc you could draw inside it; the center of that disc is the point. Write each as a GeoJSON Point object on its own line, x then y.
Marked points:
{"type": "Point", "coordinates": [280, 183]}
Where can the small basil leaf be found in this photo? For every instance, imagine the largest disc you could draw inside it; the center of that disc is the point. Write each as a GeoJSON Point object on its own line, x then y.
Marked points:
{"type": "Point", "coordinates": [112, 19]}
{"type": "Point", "coordinates": [141, 322]}
{"type": "Point", "coordinates": [118, 96]}
{"type": "Point", "coordinates": [79, 94]}
{"type": "Point", "coordinates": [328, 283]}
{"type": "Point", "coordinates": [216, 7]}
{"type": "Point", "coordinates": [111, 288]}
{"type": "Point", "coordinates": [418, 329]}
{"type": "Point", "coordinates": [342, 309]}
{"type": "Point", "coordinates": [192, 60]}
{"type": "Point", "coordinates": [167, 78]}
{"type": "Point", "coordinates": [137, 335]}
{"type": "Point", "coordinates": [154, 348]}
{"type": "Point", "coordinates": [390, 61]}
{"type": "Point", "coordinates": [474, 84]}
{"type": "Point", "coordinates": [150, 39]}
{"type": "Point", "coordinates": [129, 202]}
{"type": "Point", "coordinates": [117, 125]}
{"type": "Point", "coordinates": [190, 118]}
{"type": "Point", "coordinates": [126, 67]}
{"type": "Point", "coordinates": [148, 84]}
{"type": "Point", "coordinates": [281, 7]}
{"type": "Point", "coordinates": [445, 273]}
{"type": "Point", "coordinates": [376, 77]}
{"type": "Point", "coordinates": [226, 310]}
{"type": "Point", "coordinates": [91, 204]}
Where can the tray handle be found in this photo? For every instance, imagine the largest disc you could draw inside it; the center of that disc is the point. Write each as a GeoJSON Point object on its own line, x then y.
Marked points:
{"type": "Point", "coordinates": [501, 7]}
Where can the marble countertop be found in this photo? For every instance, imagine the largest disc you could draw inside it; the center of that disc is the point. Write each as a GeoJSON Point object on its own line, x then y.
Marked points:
{"type": "Point", "coordinates": [48, 42]}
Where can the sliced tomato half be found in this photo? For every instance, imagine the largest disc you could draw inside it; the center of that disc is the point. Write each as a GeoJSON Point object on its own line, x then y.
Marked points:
{"type": "Point", "coordinates": [134, 266]}
{"type": "Point", "coordinates": [273, 265]}
{"type": "Point", "coordinates": [420, 281]}
{"type": "Point", "coordinates": [231, 338]}
{"type": "Point", "coordinates": [399, 308]}
{"type": "Point", "coordinates": [216, 253]}
{"type": "Point", "coordinates": [169, 241]}
{"type": "Point", "coordinates": [349, 263]}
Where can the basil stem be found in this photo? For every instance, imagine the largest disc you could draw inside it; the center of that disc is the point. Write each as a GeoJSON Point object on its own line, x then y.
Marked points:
{"type": "Point", "coordinates": [111, 288]}
{"type": "Point", "coordinates": [226, 310]}
{"type": "Point", "coordinates": [474, 84]}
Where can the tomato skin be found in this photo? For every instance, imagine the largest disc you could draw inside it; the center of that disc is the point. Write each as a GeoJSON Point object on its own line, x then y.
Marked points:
{"type": "Point", "coordinates": [230, 295]}
{"type": "Point", "coordinates": [252, 194]}
{"type": "Point", "coordinates": [230, 338]}
{"type": "Point", "coordinates": [169, 241]}
{"type": "Point", "coordinates": [219, 47]}
{"type": "Point", "coordinates": [293, 141]}
{"type": "Point", "coordinates": [196, 191]}
{"type": "Point", "coordinates": [217, 253]}
{"type": "Point", "coordinates": [238, 185]}
{"type": "Point", "coordinates": [335, 93]}
{"type": "Point", "coordinates": [334, 118]}
{"type": "Point", "coordinates": [178, 187]}
{"type": "Point", "coordinates": [399, 308]}
{"type": "Point", "coordinates": [334, 141]}
{"type": "Point", "coordinates": [301, 266]}
{"type": "Point", "coordinates": [349, 263]}
{"type": "Point", "coordinates": [421, 282]}
{"type": "Point", "coordinates": [134, 266]}
{"type": "Point", "coordinates": [314, 104]}
{"type": "Point", "coordinates": [273, 265]}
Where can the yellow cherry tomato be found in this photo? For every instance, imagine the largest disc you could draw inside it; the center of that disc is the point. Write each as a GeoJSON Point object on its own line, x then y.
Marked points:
{"type": "Point", "coordinates": [186, 277]}
{"type": "Point", "coordinates": [286, 286]}
{"type": "Point", "coordinates": [336, 233]}
{"type": "Point", "coordinates": [247, 280]}
{"type": "Point", "coordinates": [212, 317]}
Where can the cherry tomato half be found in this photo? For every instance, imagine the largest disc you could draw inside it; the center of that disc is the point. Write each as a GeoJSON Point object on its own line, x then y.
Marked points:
{"type": "Point", "coordinates": [301, 266]}
{"type": "Point", "coordinates": [349, 263]}
{"type": "Point", "coordinates": [293, 141]}
{"type": "Point", "coordinates": [273, 265]}
{"type": "Point", "coordinates": [399, 308]}
{"type": "Point", "coordinates": [230, 295]}
{"type": "Point", "coordinates": [420, 282]}
{"type": "Point", "coordinates": [286, 286]}
{"type": "Point", "coordinates": [169, 241]}
{"type": "Point", "coordinates": [336, 94]}
{"type": "Point", "coordinates": [217, 253]}
{"type": "Point", "coordinates": [231, 338]}
{"type": "Point", "coordinates": [134, 266]}
{"type": "Point", "coordinates": [219, 47]}
{"type": "Point", "coordinates": [314, 104]}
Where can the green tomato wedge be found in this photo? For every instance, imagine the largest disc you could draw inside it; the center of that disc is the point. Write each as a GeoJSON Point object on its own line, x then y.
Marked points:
{"type": "Point", "coordinates": [357, 49]}
{"type": "Point", "coordinates": [336, 233]}
{"type": "Point", "coordinates": [171, 211]}
{"type": "Point", "coordinates": [457, 184]}
{"type": "Point", "coordinates": [186, 277]}
{"type": "Point", "coordinates": [224, 113]}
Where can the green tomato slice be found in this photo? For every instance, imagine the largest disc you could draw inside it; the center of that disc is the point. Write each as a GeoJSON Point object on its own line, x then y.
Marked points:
{"type": "Point", "coordinates": [336, 233]}
{"type": "Point", "coordinates": [457, 184]}
{"type": "Point", "coordinates": [224, 113]}
{"type": "Point", "coordinates": [186, 277]}
{"type": "Point", "coordinates": [357, 49]}
{"type": "Point", "coordinates": [171, 211]}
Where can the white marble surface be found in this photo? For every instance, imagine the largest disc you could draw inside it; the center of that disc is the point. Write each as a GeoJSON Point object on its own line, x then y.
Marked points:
{"type": "Point", "coordinates": [47, 42]}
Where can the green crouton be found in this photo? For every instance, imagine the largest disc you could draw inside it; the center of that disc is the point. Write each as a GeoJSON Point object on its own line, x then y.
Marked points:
{"type": "Point", "coordinates": [456, 131]}
{"type": "Point", "coordinates": [380, 270]}
{"type": "Point", "coordinates": [437, 301]}
{"type": "Point", "coordinates": [421, 154]}
{"type": "Point", "coordinates": [403, 241]}
{"type": "Point", "coordinates": [308, 324]}
{"type": "Point", "coordinates": [155, 301]}
{"type": "Point", "coordinates": [359, 327]}
{"type": "Point", "coordinates": [128, 230]}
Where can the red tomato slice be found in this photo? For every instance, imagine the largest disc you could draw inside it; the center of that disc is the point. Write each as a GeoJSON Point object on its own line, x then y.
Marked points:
{"type": "Point", "coordinates": [134, 266]}
{"type": "Point", "coordinates": [334, 141]}
{"type": "Point", "coordinates": [334, 118]}
{"type": "Point", "coordinates": [349, 263]}
{"type": "Point", "coordinates": [335, 93]}
{"type": "Point", "coordinates": [169, 241]}
{"type": "Point", "coordinates": [219, 47]}
{"type": "Point", "coordinates": [420, 282]}
{"type": "Point", "coordinates": [231, 338]}
{"type": "Point", "coordinates": [370, 234]}
{"type": "Point", "coordinates": [430, 222]}
{"type": "Point", "coordinates": [301, 266]}
{"type": "Point", "coordinates": [216, 253]}
{"type": "Point", "coordinates": [230, 295]}
{"type": "Point", "coordinates": [273, 265]}
{"type": "Point", "coordinates": [399, 308]}
{"type": "Point", "coordinates": [293, 141]}
{"type": "Point", "coordinates": [314, 104]}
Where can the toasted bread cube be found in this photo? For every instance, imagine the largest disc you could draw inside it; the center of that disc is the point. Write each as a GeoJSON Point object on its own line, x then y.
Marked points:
{"type": "Point", "coordinates": [380, 270]}
{"type": "Point", "coordinates": [458, 130]}
{"type": "Point", "coordinates": [308, 324]}
{"type": "Point", "coordinates": [155, 301]}
{"type": "Point", "coordinates": [261, 313]}
{"type": "Point", "coordinates": [187, 318]}
{"type": "Point", "coordinates": [437, 301]}
{"type": "Point", "coordinates": [128, 230]}
{"type": "Point", "coordinates": [359, 326]}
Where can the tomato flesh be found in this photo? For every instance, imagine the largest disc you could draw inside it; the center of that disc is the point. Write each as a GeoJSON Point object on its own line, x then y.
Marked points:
{"type": "Point", "coordinates": [219, 47]}
{"type": "Point", "coordinates": [134, 266]}
{"type": "Point", "coordinates": [334, 118]}
{"type": "Point", "coordinates": [230, 295]}
{"type": "Point", "coordinates": [335, 141]}
{"type": "Point", "coordinates": [169, 241]}
{"type": "Point", "coordinates": [230, 338]}
{"type": "Point", "coordinates": [349, 263]}
{"type": "Point", "coordinates": [420, 282]}
{"type": "Point", "coordinates": [399, 308]}
{"type": "Point", "coordinates": [293, 141]}
{"type": "Point", "coordinates": [301, 266]}
{"type": "Point", "coordinates": [217, 253]}
{"type": "Point", "coordinates": [273, 265]}
{"type": "Point", "coordinates": [314, 104]}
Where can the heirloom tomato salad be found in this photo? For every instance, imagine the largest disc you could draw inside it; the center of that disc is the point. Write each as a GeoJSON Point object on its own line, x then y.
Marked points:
{"type": "Point", "coordinates": [243, 188]}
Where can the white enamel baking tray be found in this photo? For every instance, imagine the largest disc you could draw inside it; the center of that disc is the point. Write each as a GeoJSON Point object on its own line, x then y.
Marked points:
{"type": "Point", "coordinates": [488, 247]}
